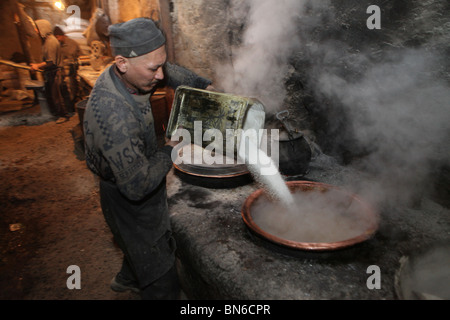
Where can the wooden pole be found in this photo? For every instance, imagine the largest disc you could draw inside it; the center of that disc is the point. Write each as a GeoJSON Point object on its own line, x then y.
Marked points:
{"type": "Point", "coordinates": [166, 26]}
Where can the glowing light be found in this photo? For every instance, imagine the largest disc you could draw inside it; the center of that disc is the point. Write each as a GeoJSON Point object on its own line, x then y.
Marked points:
{"type": "Point", "coordinates": [59, 5]}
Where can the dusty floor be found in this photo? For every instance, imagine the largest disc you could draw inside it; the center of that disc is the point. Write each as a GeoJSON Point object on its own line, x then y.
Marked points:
{"type": "Point", "coordinates": [50, 217]}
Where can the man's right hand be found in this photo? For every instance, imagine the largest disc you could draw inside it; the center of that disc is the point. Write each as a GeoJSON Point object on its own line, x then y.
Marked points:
{"type": "Point", "coordinates": [178, 135]}
{"type": "Point", "coordinates": [34, 66]}
{"type": "Point", "coordinates": [37, 66]}
{"type": "Point", "coordinates": [171, 143]}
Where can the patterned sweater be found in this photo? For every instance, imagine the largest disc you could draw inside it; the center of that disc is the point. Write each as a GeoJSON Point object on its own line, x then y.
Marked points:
{"type": "Point", "coordinates": [120, 139]}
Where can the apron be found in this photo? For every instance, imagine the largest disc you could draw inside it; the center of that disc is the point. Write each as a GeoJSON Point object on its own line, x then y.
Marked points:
{"type": "Point", "coordinates": [140, 228]}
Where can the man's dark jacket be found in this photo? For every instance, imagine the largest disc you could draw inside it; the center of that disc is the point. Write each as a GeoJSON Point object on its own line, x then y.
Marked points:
{"type": "Point", "coordinates": [121, 149]}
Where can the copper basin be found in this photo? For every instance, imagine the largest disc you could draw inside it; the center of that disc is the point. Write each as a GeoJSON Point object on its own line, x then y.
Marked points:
{"type": "Point", "coordinates": [363, 212]}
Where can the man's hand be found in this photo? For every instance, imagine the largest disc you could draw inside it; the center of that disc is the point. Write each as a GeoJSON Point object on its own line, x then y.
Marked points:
{"type": "Point", "coordinates": [178, 135]}
{"type": "Point", "coordinates": [37, 66]}
{"type": "Point", "coordinates": [171, 143]}
{"type": "Point", "coordinates": [34, 66]}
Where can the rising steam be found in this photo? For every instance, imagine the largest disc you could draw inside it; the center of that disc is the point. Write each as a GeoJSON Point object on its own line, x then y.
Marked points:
{"type": "Point", "coordinates": [395, 103]}
{"type": "Point", "coordinates": [259, 64]}
{"type": "Point", "coordinates": [399, 111]}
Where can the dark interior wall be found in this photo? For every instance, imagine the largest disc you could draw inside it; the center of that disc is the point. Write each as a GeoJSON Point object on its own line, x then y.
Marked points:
{"type": "Point", "coordinates": [345, 48]}
{"type": "Point", "coordinates": [9, 41]}
{"type": "Point", "coordinates": [379, 99]}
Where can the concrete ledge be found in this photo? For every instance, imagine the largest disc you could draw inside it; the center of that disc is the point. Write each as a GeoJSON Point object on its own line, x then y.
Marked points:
{"type": "Point", "coordinates": [220, 259]}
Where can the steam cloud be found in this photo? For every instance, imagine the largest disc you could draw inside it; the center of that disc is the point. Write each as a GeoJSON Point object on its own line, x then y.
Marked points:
{"type": "Point", "coordinates": [396, 105]}
{"type": "Point", "coordinates": [401, 113]}
{"type": "Point", "coordinates": [259, 64]}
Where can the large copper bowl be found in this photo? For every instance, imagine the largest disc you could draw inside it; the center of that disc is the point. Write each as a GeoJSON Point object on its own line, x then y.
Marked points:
{"type": "Point", "coordinates": [365, 211]}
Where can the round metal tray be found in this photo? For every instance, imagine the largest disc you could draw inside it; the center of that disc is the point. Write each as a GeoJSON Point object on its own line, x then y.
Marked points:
{"type": "Point", "coordinates": [216, 176]}
{"type": "Point", "coordinates": [366, 212]}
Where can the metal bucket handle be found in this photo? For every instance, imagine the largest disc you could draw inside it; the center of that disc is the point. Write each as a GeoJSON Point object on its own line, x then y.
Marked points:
{"type": "Point", "coordinates": [292, 133]}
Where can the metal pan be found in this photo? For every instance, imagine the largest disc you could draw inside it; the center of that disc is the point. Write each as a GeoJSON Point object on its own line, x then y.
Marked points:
{"type": "Point", "coordinates": [360, 210]}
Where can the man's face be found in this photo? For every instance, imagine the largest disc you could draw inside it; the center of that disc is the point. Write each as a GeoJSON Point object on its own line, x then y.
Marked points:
{"type": "Point", "coordinates": [60, 38]}
{"type": "Point", "coordinates": [145, 72]}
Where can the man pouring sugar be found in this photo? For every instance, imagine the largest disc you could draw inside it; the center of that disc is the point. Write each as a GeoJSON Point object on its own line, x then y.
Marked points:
{"type": "Point", "coordinates": [121, 148]}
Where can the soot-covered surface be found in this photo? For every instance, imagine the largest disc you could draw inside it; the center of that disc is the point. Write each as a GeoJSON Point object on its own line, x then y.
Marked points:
{"type": "Point", "coordinates": [221, 259]}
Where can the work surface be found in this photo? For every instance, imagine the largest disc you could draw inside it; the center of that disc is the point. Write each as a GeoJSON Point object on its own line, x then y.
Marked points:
{"type": "Point", "coordinates": [89, 75]}
{"type": "Point", "coordinates": [221, 259]}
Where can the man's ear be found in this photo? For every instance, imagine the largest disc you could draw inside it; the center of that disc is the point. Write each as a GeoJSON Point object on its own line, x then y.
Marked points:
{"type": "Point", "coordinates": [122, 63]}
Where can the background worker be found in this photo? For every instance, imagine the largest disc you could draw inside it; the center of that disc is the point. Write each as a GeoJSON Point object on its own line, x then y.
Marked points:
{"type": "Point", "coordinates": [70, 51]}
{"type": "Point", "coordinates": [51, 65]}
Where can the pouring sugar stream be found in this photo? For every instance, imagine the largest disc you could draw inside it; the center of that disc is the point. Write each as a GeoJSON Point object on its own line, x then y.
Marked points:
{"type": "Point", "coordinates": [261, 166]}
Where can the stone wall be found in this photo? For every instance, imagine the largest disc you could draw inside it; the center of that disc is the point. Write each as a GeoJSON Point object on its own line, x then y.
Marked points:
{"type": "Point", "coordinates": [124, 10]}
{"type": "Point", "coordinates": [200, 29]}
{"type": "Point", "coordinates": [9, 42]}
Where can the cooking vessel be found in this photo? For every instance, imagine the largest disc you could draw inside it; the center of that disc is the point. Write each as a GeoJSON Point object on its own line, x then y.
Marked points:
{"type": "Point", "coordinates": [425, 274]}
{"type": "Point", "coordinates": [363, 211]}
{"type": "Point", "coordinates": [215, 176]}
{"type": "Point", "coordinates": [294, 148]}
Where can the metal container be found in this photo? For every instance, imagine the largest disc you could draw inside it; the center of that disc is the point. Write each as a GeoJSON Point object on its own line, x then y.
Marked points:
{"type": "Point", "coordinates": [214, 110]}
{"type": "Point", "coordinates": [362, 214]}
{"type": "Point", "coordinates": [425, 274]}
{"type": "Point", "coordinates": [294, 150]}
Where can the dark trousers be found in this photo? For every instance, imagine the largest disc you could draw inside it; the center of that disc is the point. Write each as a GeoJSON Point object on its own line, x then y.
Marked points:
{"type": "Point", "coordinates": [54, 91]}
{"type": "Point", "coordinates": [165, 288]}
{"type": "Point", "coordinates": [70, 86]}
{"type": "Point", "coordinates": [143, 264]}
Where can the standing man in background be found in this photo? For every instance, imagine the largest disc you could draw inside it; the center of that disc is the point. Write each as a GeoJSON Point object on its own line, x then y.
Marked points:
{"type": "Point", "coordinates": [70, 51]}
{"type": "Point", "coordinates": [121, 149]}
{"type": "Point", "coordinates": [51, 65]}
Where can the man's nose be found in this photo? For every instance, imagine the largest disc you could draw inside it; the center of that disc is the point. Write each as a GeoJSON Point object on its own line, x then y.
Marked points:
{"type": "Point", "coordinates": [159, 74]}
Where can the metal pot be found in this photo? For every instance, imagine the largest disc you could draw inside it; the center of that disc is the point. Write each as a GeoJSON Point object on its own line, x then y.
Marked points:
{"type": "Point", "coordinates": [295, 156]}
{"type": "Point", "coordinates": [294, 149]}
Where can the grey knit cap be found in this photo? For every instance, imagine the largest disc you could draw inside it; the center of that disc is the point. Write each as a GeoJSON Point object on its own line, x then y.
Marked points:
{"type": "Point", "coordinates": [135, 37]}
